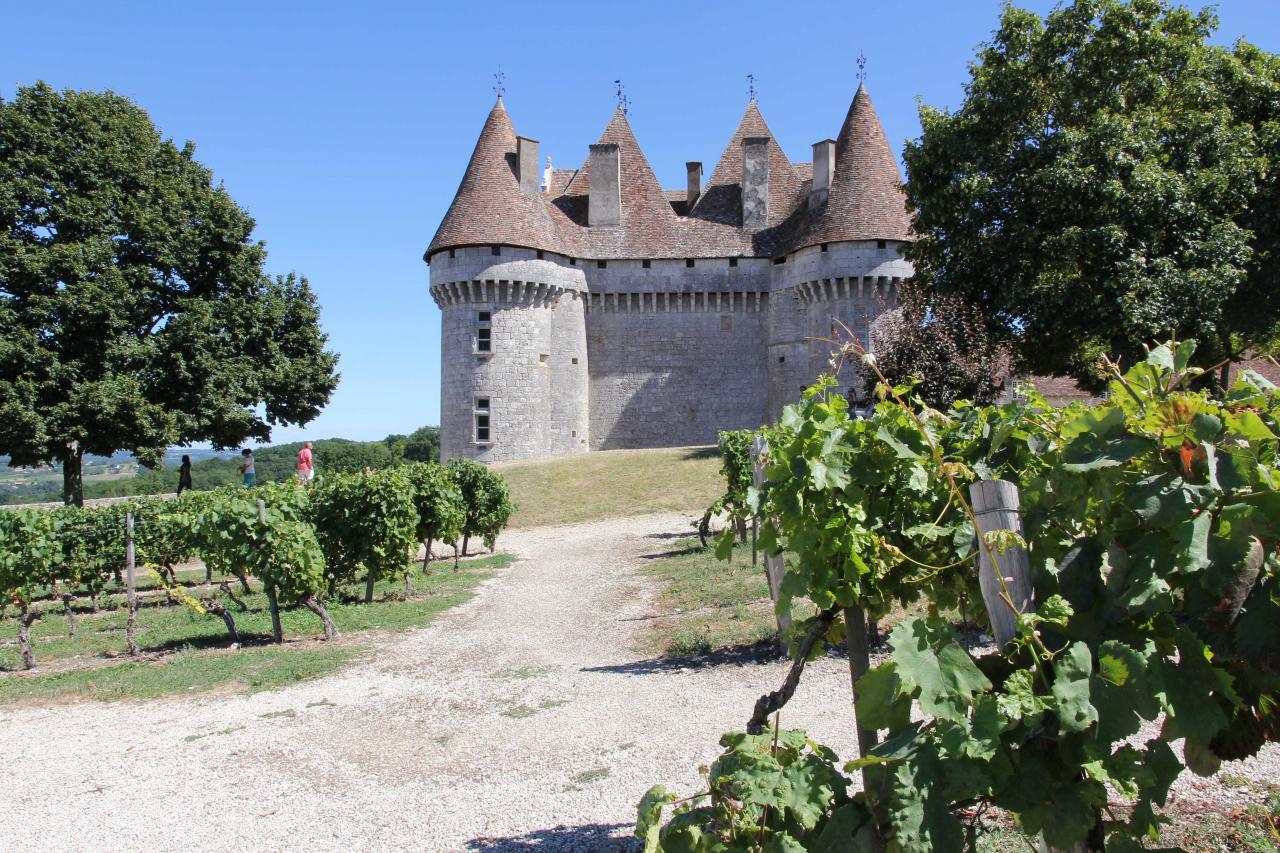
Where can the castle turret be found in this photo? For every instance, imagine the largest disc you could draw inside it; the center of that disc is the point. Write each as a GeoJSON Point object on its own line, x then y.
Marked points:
{"type": "Point", "coordinates": [847, 264]}
{"type": "Point", "coordinates": [513, 354]}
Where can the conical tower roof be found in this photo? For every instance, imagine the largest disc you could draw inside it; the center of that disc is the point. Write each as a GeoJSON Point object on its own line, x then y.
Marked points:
{"type": "Point", "coordinates": [489, 206]}
{"type": "Point", "coordinates": [648, 220]}
{"type": "Point", "coordinates": [722, 200]}
{"type": "Point", "coordinates": [866, 201]}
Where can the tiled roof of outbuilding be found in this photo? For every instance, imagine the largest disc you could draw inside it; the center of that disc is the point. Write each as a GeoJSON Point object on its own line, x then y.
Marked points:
{"type": "Point", "coordinates": [865, 201]}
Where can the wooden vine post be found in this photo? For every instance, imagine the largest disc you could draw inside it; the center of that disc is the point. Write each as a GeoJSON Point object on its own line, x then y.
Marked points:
{"type": "Point", "coordinates": [277, 635]}
{"type": "Point", "coordinates": [130, 593]}
{"type": "Point", "coordinates": [773, 565]}
{"type": "Point", "coordinates": [997, 506]}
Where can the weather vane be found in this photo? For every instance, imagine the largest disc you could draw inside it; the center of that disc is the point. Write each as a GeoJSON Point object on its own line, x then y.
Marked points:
{"type": "Point", "coordinates": [751, 87]}
{"type": "Point", "coordinates": [623, 103]}
{"type": "Point", "coordinates": [500, 82]}
{"type": "Point", "coordinates": [862, 67]}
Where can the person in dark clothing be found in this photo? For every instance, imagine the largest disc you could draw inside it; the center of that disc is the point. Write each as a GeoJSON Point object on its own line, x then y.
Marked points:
{"type": "Point", "coordinates": [184, 475]}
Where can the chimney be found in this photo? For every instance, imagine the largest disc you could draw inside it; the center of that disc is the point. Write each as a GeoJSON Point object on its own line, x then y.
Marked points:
{"type": "Point", "coordinates": [527, 164]}
{"type": "Point", "coordinates": [695, 183]}
{"type": "Point", "coordinates": [755, 182]}
{"type": "Point", "coordinates": [604, 204]}
{"type": "Point", "coordinates": [824, 169]}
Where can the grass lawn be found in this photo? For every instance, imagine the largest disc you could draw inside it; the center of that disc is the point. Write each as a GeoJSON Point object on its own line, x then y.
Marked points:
{"type": "Point", "coordinates": [709, 604]}
{"type": "Point", "coordinates": [612, 484]}
{"type": "Point", "coordinates": [188, 652]}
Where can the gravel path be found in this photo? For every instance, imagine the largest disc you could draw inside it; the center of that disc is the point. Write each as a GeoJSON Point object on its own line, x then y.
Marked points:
{"type": "Point", "coordinates": [523, 720]}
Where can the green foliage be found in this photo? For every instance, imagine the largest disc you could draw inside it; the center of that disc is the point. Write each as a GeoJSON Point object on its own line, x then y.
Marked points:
{"type": "Point", "coordinates": [1111, 178]}
{"type": "Point", "coordinates": [438, 501]}
{"type": "Point", "coordinates": [778, 791]}
{"type": "Point", "coordinates": [281, 550]}
{"type": "Point", "coordinates": [488, 502]}
{"type": "Point", "coordinates": [735, 467]}
{"type": "Point", "coordinates": [1152, 522]}
{"type": "Point", "coordinates": [134, 312]}
{"type": "Point", "coordinates": [30, 554]}
{"type": "Point", "coordinates": [365, 522]}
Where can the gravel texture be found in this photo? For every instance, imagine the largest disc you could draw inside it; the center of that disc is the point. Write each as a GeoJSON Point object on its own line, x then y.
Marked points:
{"type": "Point", "coordinates": [523, 720]}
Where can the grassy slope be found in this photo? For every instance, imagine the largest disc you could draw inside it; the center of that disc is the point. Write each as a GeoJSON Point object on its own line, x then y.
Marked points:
{"type": "Point", "coordinates": [612, 484]}
{"type": "Point", "coordinates": [708, 604]}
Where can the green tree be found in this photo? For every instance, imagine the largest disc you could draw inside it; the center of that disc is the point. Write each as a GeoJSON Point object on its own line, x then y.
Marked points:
{"type": "Point", "coordinates": [487, 499]}
{"type": "Point", "coordinates": [441, 508]}
{"type": "Point", "coordinates": [1109, 179]}
{"type": "Point", "coordinates": [134, 310]}
{"type": "Point", "coordinates": [423, 445]}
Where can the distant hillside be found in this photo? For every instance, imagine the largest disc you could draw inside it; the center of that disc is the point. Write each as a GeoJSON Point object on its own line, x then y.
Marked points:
{"type": "Point", "coordinates": [274, 463]}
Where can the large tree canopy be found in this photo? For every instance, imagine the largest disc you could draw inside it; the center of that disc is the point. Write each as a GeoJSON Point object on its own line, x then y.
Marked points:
{"type": "Point", "coordinates": [1110, 179]}
{"type": "Point", "coordinates": [134, 310]}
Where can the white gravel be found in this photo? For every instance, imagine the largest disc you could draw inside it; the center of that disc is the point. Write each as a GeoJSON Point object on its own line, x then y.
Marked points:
{"type": "Point", "coordinates": [523, 720]}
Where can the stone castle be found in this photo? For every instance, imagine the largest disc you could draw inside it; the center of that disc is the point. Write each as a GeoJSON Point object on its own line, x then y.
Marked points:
{"type": "Point", "coordinates": [591, 309]}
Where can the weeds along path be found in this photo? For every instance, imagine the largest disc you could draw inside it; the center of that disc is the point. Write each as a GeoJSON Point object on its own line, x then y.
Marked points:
{"type": "Point", "coordinates": [522, 720]}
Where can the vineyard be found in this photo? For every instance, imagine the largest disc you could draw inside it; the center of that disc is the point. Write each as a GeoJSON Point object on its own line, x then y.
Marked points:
{"type": "Point", "coordinates": [1139, 583]}
{"type": "Point", "coordinates": [291, 548]}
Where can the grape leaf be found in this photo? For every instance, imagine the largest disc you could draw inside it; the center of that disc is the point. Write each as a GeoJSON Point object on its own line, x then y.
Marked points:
{"type": "Point", "coordinates": [931, 662]}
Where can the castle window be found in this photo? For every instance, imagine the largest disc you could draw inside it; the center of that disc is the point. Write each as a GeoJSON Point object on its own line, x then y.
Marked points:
{"type": "Point", "coordinates": [482, 420]}
{"type": "Point", "coordinates": [781, 260]}
{"type": "Point", "coordinates": [540, 253]}
{"type": "Point", "coordinates": [573, 262]}
{"type": "Point", "coordinates": [484, 331]}
{"type": "Point", "coordinates": [497, 250]}
{"type": "Point", "coordinates": [824, 247]}
{"type": "Point", "coordinates": [575, 361]}
{"type": "Point", "coordinates": [733, 262]}
{"type": "Point", "coordinates": [880, 244]}
{"type": "Point", "coordinates": [781, 359]}
{"type": "Point", "coordinates": [646, 264]}
{"type": "Point", "coordinates": [601, 264]}
{"type": "Point", "coordinates": [451, 253]}
{"type": "Point", "coordinates": [688, 262]}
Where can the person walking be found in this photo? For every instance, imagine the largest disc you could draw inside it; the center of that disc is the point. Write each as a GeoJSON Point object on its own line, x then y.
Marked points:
{"type": "Point", "coordinates": [306, 471]}
{"type": "Point", "coordinates": [246, 467]}
{"type": "Point", "coordinates": [184, 475]}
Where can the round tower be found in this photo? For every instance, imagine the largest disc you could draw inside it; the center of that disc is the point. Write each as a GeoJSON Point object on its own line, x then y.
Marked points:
{"type": "Point", "coordinates": [513, 360]}
{"type": "Point", "coordinates": [847, 263]}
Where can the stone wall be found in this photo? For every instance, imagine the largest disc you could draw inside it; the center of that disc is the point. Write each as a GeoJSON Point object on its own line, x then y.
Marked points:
{"type": "Point", "coordinates": [816, 289]}
{"type": "Point", "coordinates": [673, 375]}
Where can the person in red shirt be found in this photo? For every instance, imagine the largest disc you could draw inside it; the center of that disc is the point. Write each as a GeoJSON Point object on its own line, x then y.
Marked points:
{"type": "Point", "coordinates": [306, 471]}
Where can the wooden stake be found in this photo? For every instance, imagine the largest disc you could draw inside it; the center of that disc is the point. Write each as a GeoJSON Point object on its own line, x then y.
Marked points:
{"type": "Point", "coordinates": [131, 594]}
{"type": "Point", "coordinates": [774, 569]}
{"type": "Point", "coordinates": [277, 635]}
{"type": "Point", "coordinates": [996, 506]}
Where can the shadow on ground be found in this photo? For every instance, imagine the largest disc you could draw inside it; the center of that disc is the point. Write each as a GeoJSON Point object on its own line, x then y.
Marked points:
{"type": "Point", "coordinates": [588, 837]}
{"type": "Point", "coordinates": [752, 654]}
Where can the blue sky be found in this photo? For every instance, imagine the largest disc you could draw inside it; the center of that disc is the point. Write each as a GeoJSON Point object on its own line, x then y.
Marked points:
{"type": "Point", "coordinates": [344, 128]}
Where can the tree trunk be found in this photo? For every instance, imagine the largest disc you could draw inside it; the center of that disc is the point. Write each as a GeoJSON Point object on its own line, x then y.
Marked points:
{"type": "Point", "coordinates": [426, 560]}
{"type": "Point", "coordinates": [277, 635]}
{"type": "Point", "coordinates": [73, 475]}
{"type": "Point", "coordinates": [93, 603]}
{"type": "Point", "coordinates": [330, 629]}
{"type": "Point", "coordinates": [244, 583]}
{"type": "Point", "coordinates": [704, 529]}
{"type": "Point", "coordinates": [741, 521]}
{"type": "Point", "coordinates": [67, 599]}
{"type": "Point", "coordinates": [368, 588]}
{"type": "Point", "coordinates": [226, 587]}
{"type": "Point", "coordinates": [466, 539]}
{"type": "Point", "coordinates": [408, 585]}
{"type": "Point", "coordinates": [855, 630]}
{"type": "Point", "coordinates": [455, 556]}
{"type": "Point", "coordinates": [208, 573]}
{"type": "Point", "coordinates": [25, 617]}
{"type": "Point", "coordinates": [218, 610]}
